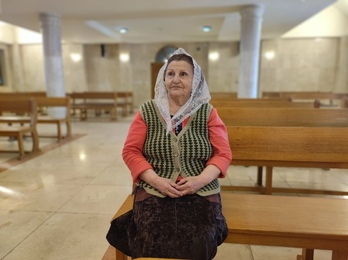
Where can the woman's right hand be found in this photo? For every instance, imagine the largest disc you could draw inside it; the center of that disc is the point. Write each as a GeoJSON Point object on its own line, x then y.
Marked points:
{"type": "Point", "coordinates": [165, 186]}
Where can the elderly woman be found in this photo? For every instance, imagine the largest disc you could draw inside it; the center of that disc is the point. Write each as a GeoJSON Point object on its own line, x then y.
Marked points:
{"type": "Point", "coordinates": [176, 149]}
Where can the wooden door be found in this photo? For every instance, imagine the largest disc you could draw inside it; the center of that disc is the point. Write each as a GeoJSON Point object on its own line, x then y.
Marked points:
{"type": "Point", "coordinates": [155, 67]}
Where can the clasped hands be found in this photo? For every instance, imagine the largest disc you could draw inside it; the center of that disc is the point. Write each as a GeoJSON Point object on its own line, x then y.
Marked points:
{"type": "Point", "coordinates": [185, 186]}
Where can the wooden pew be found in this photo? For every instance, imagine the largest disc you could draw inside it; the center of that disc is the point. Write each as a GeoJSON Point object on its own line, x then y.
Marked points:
{"type": "Point", "coordinates": [288, 146]}
{"type": "Point", "coordinates": [42, 104]}
{"type": "Point", "coordinates": [307, 95]}
{"type": "Point", "coordinates": [223, 95]}
{"type": "Point", "coordinates": [310, 117]}
{"type": "Point", "coordinates": [299, 94]}
{"type": "Point", "coordinates": [97, 101]}
{"type": "Point", "coordinates": [56, 102]}
{"type": "Point", "coordinates": [262, 103]}
{"type": "Point", "coordinates": [255, 116]}
{"type": "Point", "coordinates": [125, 101]}
{"type": "Point", "coordinates": [11, 95]}
{"type": "Point", "coordinates": [20, 106]}
{"type": "Point", "coordinates": [300, 222]}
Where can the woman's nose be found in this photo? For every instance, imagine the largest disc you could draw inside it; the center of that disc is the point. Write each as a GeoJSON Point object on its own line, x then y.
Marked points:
{"type": "Point", "coordinates": [176, 78]}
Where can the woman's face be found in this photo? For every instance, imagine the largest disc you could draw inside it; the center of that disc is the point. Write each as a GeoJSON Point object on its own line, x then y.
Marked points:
{"type": "Point", "coordinates": [178, 80]}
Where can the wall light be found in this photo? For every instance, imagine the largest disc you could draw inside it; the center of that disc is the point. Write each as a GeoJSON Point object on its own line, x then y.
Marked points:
{"type": "Point", "coordinates": [269, 55]}
{"type": "Point", "coordinates": [76, 57]}
{"type": "Point", "coordinates": [206, 28]}
{"type": "Point", "coordinates": [124, 57]}
{"type": "Point", "coordinates": [82, 156]}
{"type": "Point", "coordinates": [213, 56]}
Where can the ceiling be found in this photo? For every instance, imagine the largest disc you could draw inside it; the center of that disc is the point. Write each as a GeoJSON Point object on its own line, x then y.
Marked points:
{"type": "Point", "coordinates": [96, 21]}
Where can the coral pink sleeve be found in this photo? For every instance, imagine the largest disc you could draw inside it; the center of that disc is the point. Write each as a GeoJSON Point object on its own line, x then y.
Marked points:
{"type": "Point", "coordinates": [132, 150]}
{"type": "Point", "coordinates": [222, 156]}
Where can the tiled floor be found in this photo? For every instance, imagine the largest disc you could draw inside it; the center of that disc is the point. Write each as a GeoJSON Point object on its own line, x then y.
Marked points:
{"type": "Point", "coordinates": [58, 205]}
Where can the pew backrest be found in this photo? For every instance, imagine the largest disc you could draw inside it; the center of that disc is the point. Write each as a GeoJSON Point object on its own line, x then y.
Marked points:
{"type": "Point", "coordinates": [255, 116]}
{"type": "Point", "coordinates": [318, 147]}
{"type": "Point", "coordinates": [20, 106]}
{"type": "Point", "coordinates": [261, 103]}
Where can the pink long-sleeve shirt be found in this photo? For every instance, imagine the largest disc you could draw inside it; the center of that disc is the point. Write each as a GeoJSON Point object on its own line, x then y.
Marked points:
{"type": "Point", "coordinates": [136, 162]}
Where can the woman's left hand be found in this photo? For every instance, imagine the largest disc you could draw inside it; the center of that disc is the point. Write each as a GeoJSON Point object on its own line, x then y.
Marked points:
{"type": "Point", "coordinates": [189, 185]}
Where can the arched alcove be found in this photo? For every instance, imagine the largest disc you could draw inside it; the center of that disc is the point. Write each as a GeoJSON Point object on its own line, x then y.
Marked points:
{"type": "Point", "coordinates": [164, 53]}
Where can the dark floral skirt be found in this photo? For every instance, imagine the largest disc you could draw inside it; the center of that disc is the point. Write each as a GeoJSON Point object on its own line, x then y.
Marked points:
{"type": "Point", "coordinates": [190, 227]}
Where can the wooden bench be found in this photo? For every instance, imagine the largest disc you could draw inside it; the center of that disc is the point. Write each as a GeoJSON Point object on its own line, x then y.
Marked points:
{"type": "Point", "coordinates": [307, 95]}
{"type": "Point", "coordinates": [262, 103]}
{"type": "Point", "coordinates": [288, 146]}
{"type": "Point", "coordinates": [125, 101]}
{"type": "Point", "coordinates": [56, 102]}
{"type": "Point", "coordinates": [223, 95]}
{"type": "Point", "coordinates": [254, 116]}
{"type": "Point", "coordinates": [22, 94]}
{"type": "Point", "coordinates": [44, 103]}
{"type": "Point", "coordinates": [299, 222]}
{"type": "Point", "coordinates": [20, 106]}
{"type": "Point", "coordinates": [310, 117]}
{"type": "Point", "coordinates": [97, 101]}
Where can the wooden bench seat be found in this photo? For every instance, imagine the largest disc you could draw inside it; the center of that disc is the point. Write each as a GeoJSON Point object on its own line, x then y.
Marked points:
{"type": "Point", "coordinates": [301, 222]}
{"type": "Point", "coordinates": [20, 106]}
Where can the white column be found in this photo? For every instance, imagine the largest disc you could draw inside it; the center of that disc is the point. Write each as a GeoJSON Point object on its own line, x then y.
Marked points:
{"type": "Point", "coordinates": [251, 20]}
{"type": "Point", "coordinates": [54, 73]}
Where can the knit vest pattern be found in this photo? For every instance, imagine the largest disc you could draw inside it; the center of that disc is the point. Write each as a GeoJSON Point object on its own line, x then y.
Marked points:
{"type": "Point", "coordinates": [171, 155]}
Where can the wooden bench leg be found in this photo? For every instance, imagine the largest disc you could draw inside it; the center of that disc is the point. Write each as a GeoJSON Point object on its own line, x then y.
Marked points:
{"type": "Point", "coordinates": [113, 113]}
{"type": "Point", "coordinates": [59, 131]}
{"type": "Point", "coordinates": [339, 255]}
{"type": "Point", "coordinates": [259, 176]}
{"type": "Point", "coordinates": [307, 254]}
{"type": "Point", "coordinates": [83, 114]}
{"type": "Point", "coordinates": [269, 176]}
{"type": "Point", "coordinates": [20, 145]}
{"type": "Point", "coordinates": [35, 137]}
{"type": "Point", "coordinates": [68, 129]}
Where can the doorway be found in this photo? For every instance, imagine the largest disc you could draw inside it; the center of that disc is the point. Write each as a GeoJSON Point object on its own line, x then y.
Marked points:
{"type": "Point", "coordinates": [155, 68]}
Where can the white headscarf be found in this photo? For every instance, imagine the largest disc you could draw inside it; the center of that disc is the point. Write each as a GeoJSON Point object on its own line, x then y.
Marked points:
{"type": "Point", "coordinates": [199, 96]}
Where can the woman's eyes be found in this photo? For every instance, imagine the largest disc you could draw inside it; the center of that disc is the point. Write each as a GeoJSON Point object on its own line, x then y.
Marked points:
{"type": "Point", "coordinates": [181, 74]}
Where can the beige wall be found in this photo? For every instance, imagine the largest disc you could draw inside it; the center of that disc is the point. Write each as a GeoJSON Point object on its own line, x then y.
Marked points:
{"type": "Point", "coordinates": [223, 73]}
{"type": "Point", "coordinates": [299, 64]}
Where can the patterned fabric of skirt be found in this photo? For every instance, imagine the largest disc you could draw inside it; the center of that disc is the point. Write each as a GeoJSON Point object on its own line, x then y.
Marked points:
{"type": "Point", "coordinates": [190, 227]}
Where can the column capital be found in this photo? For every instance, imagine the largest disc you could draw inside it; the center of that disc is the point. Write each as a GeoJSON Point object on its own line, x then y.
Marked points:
{"type": "Point", "coordinates": [252, 11]}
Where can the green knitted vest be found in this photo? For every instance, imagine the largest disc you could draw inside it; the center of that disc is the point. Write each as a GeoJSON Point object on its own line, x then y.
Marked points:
{"type": "Point", "coordinates": [171, 155]}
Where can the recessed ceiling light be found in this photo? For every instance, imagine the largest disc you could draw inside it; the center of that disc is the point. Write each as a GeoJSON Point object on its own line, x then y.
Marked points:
{"type": "Point", "coordinates": [206, 28]}
{"type": "Point", "coordinates": [122, 30]}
